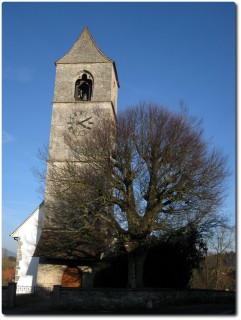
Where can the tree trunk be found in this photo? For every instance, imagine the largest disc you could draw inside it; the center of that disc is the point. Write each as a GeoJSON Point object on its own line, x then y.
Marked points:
{"type": "Point", "coordinates": [136, 261]}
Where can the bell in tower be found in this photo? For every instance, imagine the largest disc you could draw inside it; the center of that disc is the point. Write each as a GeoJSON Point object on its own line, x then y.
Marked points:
{"type": "Point", "coordinates": [83, 88]}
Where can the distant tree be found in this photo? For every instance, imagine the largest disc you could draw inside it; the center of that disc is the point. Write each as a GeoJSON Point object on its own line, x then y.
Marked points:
{"type": "Point", "coordinates": [129, 182]}
{"type": "Point", "coordinates": [7, 276]}
{"type": "Point", "coordinates": [223, 241]}
{"type": "Point", "coordinates": [219, 267]}
{"type": "Point", "coordinates": [8, 268]}
{"type": "Point", "coordinates": [5, 259]}
{"type": "Point", "coordinates": [12, 258]}
{"type": "Point", "coordinates": [206, 276]}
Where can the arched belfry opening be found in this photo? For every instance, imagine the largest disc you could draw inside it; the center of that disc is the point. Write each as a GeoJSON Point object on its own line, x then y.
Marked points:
{"type": "Point", "coordinates": [84, 87]}
{"type": "Point", "coordinates": [72, 277]}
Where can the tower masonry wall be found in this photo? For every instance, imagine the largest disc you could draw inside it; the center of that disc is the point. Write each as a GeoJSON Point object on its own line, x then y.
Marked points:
{"type": "Point", "coordinates": [67, 74]}
{"type": "Point", "coordinates": [63, 120]}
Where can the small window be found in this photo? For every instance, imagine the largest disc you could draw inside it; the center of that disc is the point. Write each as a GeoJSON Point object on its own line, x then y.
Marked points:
{"type": "Point", "coordinates": [83, 88]}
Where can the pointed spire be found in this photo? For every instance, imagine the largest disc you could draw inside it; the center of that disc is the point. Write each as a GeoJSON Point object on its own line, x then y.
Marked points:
{"type": "Point", "coordinates": [84, 50]}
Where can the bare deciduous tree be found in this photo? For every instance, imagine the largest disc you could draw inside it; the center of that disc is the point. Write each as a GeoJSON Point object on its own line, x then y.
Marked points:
{"type": "Point", "coordinates": [217, 271]}
{"type": "Point", "coordinates": [149, 173]}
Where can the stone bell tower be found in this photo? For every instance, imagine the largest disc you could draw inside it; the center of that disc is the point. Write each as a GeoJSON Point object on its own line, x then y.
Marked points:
{"type": "Point", "coordinates": [86, 79]}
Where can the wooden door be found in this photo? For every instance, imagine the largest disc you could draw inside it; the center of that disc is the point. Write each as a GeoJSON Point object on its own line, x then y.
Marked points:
{"type": "Point", "coordinates": [71, 278]}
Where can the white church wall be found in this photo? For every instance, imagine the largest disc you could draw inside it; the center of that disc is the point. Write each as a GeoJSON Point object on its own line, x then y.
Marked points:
{"type": "Point", "coordinates": [28, 235]}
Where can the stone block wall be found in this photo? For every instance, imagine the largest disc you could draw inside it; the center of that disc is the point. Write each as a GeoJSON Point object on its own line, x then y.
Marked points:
{"type": "Point", "coordinates": [18, 259]}
{"type": "Point", "coordinates": [124, 299]}
{"type": "Point", "coordinates": [50, 275]}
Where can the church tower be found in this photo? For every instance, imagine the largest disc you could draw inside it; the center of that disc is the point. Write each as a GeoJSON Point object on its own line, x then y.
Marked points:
{"type": "Point", "coordinates": [86, 79]}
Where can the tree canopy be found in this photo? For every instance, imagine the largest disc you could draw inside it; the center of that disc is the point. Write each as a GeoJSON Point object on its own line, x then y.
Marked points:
{"type": "Point", "coordinates": [148, 173]}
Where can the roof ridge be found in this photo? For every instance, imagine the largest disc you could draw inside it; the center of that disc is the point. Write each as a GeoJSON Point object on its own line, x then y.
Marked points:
{"type": "Point", "coordinates": [86, 29]}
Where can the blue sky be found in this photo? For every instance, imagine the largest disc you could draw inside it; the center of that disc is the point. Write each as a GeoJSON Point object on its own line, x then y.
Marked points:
{"type": "Point", "coordinates": [164, 52]}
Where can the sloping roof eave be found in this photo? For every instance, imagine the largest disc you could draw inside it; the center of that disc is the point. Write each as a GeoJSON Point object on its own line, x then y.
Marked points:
{"type": "Point", "coordinates": [14, 232]}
